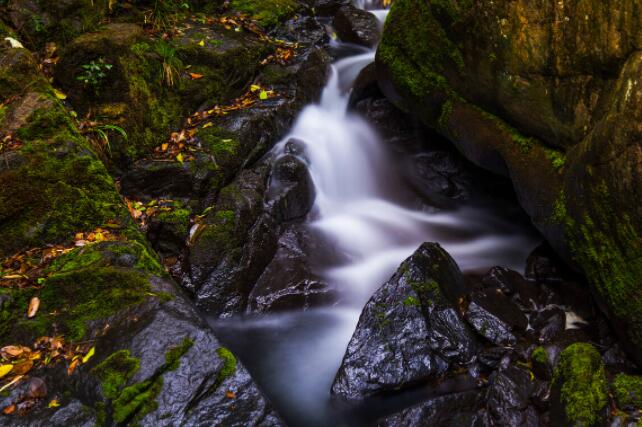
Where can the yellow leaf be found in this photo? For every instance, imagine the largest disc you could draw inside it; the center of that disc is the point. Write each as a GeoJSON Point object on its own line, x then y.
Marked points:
{"type": "Point", "coordinates": [179, 157]}
{"type": "Point", "coordinates": [34, 304]}
{"type": "Point", "coordinates": [201, 43]}
{"type": "Point", "coordinates": [5, 369]}
{"type": "Point", "coordinates": [263, 95]}
{"type": "Point", "coordinates": [254, 88]}
{"type": "Point", "coordinates": [53, 404]}
{"type": "Point", "coordinates": [59, 94]}
{"type": "Point", "coordinates": [208, 124]}
{"type": "Point", "coordinates": [14, 43]}
{"type": "Point", "coordinates": [164, 146]}
{"type": "Point", "coordinates": [89, 354]}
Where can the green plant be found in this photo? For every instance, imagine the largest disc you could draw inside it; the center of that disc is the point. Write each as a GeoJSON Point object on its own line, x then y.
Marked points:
{"type": "Point", "coordinates": [94, 74]}
{"type": "Point", "coordinates": [102, 131]}
{"type": "Point", "coordinates": [172, 65]}
{"type": "Point", "coordinates": [164, 14]}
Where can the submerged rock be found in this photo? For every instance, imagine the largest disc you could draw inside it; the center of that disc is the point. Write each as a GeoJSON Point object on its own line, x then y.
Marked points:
{"type": "Point", "coordinates": [409, 331]}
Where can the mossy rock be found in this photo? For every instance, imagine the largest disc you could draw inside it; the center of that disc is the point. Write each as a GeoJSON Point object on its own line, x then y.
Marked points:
{"type": "Point", "coordinates": [580, 387]}
{"type": "Point", "coordinates": [268, 13]}
{"type": "Point", "coordinates": [627, 390]}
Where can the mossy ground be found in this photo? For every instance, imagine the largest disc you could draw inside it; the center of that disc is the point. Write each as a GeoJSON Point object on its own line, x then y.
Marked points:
{"type": "Point", "coordinates": [267, 12]}
{"type": "Point", "coordinates": [581, 378]}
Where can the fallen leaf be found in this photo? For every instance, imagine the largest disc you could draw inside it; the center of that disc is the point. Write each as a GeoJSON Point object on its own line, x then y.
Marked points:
{"type": "Point", "coordinates": [208, 124]}
{"type": "Point", "coordinates": [59, 94]}
{"type": "Point", "coordinates": [179, 157]}
{"type": "Point", "coordinates": [9, 410]}
{"type": "Point", "coordinates": [254, 88]}
{"type": "Point", "coordinates": [13, 350]}
{"type": "Point", "coordinates": [195, 76]}
{"type": "Point", "coordinates": [230, 394]}
{"type": "Point", "coordinates": [53, 404]}
{"type": "Point", "coordinates": [263, 95]}
{"type": "Point", "coordinates": [22, 368]}
{"type": "Point", "coordinates": [34, 304]}
{"type": "Point", "coordinates": [14, 43]}
{"type": "Point", "coordinates": [89, 354]}
{"type": "Point", "coordinates": [72, 366]}
{"type": "Point", "coordinates": [5, 369]}
{"type": "Point", "coordinates": [164, 146]}
{"type": "Point", "coordinates": [201, 43]}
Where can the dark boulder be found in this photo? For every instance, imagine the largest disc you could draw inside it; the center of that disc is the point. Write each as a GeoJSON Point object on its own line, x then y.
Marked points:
{"type": "Point", "coordinates": [495, 317]}
{"type": "Point", "coordinates": [288, 282]}
{"type": "Point", "coordinates": [409, 331]}
{"type": "Point", "coordinates": [508, 398]}
{"type": "Point", "coordinates": [354, 25]}
{"type": "Point", "coordinates": [290, 192]}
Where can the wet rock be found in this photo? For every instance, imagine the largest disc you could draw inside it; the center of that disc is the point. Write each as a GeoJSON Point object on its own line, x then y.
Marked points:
{"type": "Point", "coordinates": [354, 25]}
{"type": "Point", "coordinates": [549, 323]}
{"type": "Point", "coordinates": [408, 331]}
{"type": "Point", "coordinates": [365, 86]}
{"type": "Point", "coordinates": [495, 317]}
{"type": "Point", "coordinates": [290, 193]}
{"type": "Point", "coordinates": [326, 7]}
{"type": "Point", "coordinates": [158, 179]}
{"type": "Point", "coordinates": [508, 398]}
{"type": "Point", "coordinates": [461, 409]}
{"type": "Point", "coordinates": [544, 266]}
{"type": "Point", "coordinates": [513, 284]}
{"type": "Point", "coordinates": [288, 281]}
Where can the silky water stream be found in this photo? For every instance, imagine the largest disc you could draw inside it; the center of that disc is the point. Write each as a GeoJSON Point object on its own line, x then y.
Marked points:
{"type": "Point", "coordinates": [363, 213]}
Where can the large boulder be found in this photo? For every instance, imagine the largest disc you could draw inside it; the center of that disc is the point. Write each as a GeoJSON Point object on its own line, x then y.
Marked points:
{"type": "Point", "coordinates": [357, 26]}
{"type": "Point", "coordinates": [546, 94]}
{"type": "Point", "coordinates": [410, 330]}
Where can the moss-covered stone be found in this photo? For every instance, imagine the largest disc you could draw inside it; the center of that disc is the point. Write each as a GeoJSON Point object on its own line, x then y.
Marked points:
{"type": "Point", "coordinates": [115, 371]}
{"type": "Point", "coordinates": [627, 390]}
{"type": "Point", "coordinates": [580, 378]}
{"type": "Point", "coordinates": [540, 355]}
{"type": "Point", "coordinates": [267, 12]}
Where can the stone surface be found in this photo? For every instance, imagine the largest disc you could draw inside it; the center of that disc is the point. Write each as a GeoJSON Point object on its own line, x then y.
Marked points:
{"type": "Point", "coordinates": [550, 103]}
{"type": "Point", "coordinates": [354, 25]}
{"type": "Point", "coordinates": [409, 331]}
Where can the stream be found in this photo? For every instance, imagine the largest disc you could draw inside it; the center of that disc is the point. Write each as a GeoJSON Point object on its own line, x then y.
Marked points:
{"type": "Point", "coordinates": [370, 222]}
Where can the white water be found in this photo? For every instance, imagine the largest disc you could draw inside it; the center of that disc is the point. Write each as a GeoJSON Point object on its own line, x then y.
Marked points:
{"type": "Point", "coordinates": [294, 356]}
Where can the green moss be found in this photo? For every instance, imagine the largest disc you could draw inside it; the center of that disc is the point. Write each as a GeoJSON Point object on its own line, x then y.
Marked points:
{"type": "Point", "coordinates": [104, 254]}
{"type": "Point", "coordinates": [582, 382]}
{"type": "Point", "coordinates": [115, 371]}
{"type": "Point", "coordinates": [540, 355]}
{"type": "Point", "coordinates": [267, 12]}
{"type": "Point", "coordinates": [137, 400]}
{"type": "Point", "coordinates": [411, 301]}
{"type": "Point", "coordinates": [174, 354]}
{"type": "Point", "coordinates": [627, 390]}
{"type": "Point", "coordinates": [178, 217]}
{"type": "Point", "coordinates": [229, 365]}
{"type": "Point", "coordinates": [557, 158]}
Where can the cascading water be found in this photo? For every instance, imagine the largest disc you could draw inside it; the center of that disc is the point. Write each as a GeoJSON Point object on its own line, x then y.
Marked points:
{"type": "Point", "coordinates": [363, 210]}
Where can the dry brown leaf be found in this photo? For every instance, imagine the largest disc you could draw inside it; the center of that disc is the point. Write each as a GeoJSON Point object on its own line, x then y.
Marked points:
{"type": "Point", "coordinates": [22, 368]}
{"type": "Point", "coordinates": [9, 410]}
{"type": "Point", "coordinates": [34, 304]}
{"type": "Point", "coordinates": [72, 366]}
